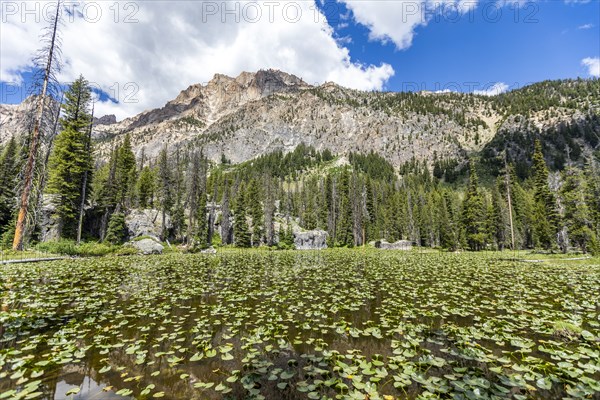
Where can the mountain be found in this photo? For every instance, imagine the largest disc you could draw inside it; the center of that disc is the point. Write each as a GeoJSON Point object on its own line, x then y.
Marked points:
{"type": "Point", "coordinates": [258, 113]}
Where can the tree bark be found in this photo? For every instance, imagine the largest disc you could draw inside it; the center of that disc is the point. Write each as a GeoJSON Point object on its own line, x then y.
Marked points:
{"type": "Point", "coordinates": [33, 146]}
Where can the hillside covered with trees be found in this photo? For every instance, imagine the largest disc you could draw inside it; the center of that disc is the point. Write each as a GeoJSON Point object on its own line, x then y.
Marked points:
{"type": "Point", "coordinates": [356, 199]}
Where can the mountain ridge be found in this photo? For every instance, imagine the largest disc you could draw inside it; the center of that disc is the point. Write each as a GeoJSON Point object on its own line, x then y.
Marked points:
{"type": "Point", "coordinates": [259, 112]}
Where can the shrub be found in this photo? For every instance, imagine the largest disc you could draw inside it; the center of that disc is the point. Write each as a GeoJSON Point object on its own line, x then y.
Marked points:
{"type": "Point", "coordinates": [64, 247]}
{"type": "Point", "coordinates": [70, 248]}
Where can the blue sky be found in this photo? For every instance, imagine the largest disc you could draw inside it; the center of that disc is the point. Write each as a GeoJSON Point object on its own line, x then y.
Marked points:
{"type": "Point", "coordinates": [143, 53]}
{"type": "Point", "coordinates": [528, 43]}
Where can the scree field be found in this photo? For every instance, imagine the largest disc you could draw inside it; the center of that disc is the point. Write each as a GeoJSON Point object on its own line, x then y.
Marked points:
{"type": "Point", "coordinates": [292, 325]}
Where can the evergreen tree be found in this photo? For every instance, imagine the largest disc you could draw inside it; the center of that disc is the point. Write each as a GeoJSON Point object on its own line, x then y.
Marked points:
{"type": "Point", "coordinates": [9, 171]}
{"type": "Point", "coordinates": [577, 213]}
{"type": "Point", "coordinates": [254, 209]}
{"type": "Point", "coordinates": [226, 231]}
{"type": "Point", "coordinates": [105, 191]}
{"type": "Point", "coordinates": [547, 218]}
{"type": "Point", "coordinates": [241, 232]}
{"type": "Point", "coordinates": [474, 213]}
{"type": "Point", "coordinates": [145, 187]}
{"type": "Point", "coordinates": [125, 174]}
{"type": "Point", "coordinates": [202, 236]}
{"type": "Point", "coordinates": [165, 189]}
{"type": "Point", "coordinates": [70, 159]}
{"type": "Point", "coordinates": [498, 217]}
{"type": "Point", "coordinates": [449, 236]}
{"type": "Point", "coordinates": [344, 235]}
{"type": "Point", "coordinates": [116, 232]}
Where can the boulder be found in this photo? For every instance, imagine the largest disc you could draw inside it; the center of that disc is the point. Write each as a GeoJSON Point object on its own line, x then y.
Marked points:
{"type": "Point", "coordinates": [49, 228]}
{"type": "Point", "coordinates": [147, 246]}
{"type": "Point", "coordinates": [145, 223]}
{"type": "Point", "coordinates": [310, 240]}
{"type": "Point", "coordinates": [399, 245]}
{"type": "Point", "coordinates": [210, 250]}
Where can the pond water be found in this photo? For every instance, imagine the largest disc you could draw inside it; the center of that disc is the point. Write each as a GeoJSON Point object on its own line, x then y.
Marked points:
{"type": "Point", "coordinates": [292, 325]}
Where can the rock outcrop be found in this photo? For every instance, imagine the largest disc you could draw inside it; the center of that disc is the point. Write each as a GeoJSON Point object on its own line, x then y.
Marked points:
{"type": "Point", "coordinates": [310, 240]}
{"type": "Point", "coordinates": [49, 229]}
{"type": "Point", "coordinates": [145, 223]}
{"type": "Point", "coordinates": [399, 245]}
{"type": "Point", "coordinates": [106, 120]}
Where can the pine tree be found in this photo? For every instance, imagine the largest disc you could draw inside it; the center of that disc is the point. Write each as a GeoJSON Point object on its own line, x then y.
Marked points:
{"type": "Point", "coordinates": [146, 187]}
{"type": "Point", "coordinates": [241, 232]}
{"type": "Point", "coordinates": [592, 196]}
{"type": "Point", "coordinates": [254, 209]}
{"type": "Point", "coordinates": [125, 174]}
{"type": "Point", "coordinates": [116, 232]}
{"type": "Point", "coordinates": [577, 213]}
{"type": "Point", "coordinates": [226, 231]}
{"type": "Point", "coordinates": [9, 170]}
{"type": "Point", "coordinates": [449, 236]}
{"type": "Point", "coordinates": [165, 189]}
{"type": "Point", "coordinates": [474, 213]}
{"type": "Point", "coordinates": [344, 229]}
{"type": "Point", "coordinates": [547, 218]}
{"type": "Point", "coordinates": [202, 236]}
{"type": "Point", "coordinates": [269, 211]}
{"type": "Point", "coordinates": [105, 191]}
{"type": "Point", "coordinates": [498, 217]}
{"type": "Point", "coordinates": [70, 160]}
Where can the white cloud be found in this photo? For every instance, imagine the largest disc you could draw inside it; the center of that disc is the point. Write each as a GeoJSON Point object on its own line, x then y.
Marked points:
{"type": "Point", "coordinates": [175, 44]}
{"type": "Point", "coordinates": [586, 26]}
{"type": "Point", "coordinates": [445, 91]}
{"type": "Point", "coordinates": [493, 90]}
{"type": "Point", "coordinates": [396, 21]}
{"type": "Point", "coordinates": [593, 66]}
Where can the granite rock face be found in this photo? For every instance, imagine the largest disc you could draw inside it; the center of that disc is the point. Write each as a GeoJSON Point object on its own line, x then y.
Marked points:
{"type": "Point", "coordinates": [145, 223]}
{"type": "Point", "coordinates": [49, 229]}
{"type": "Point", "coordinates": [310, 240]}
{"type": "Point", "coordinates": [399, 245]}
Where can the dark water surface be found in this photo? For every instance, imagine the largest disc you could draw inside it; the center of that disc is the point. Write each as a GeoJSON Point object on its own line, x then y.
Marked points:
{"type": "Point", "coordinates": [292, 325]}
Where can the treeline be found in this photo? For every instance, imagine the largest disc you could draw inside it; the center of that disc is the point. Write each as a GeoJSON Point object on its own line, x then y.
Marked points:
{"type": "Point", "coordinates": [263, 201]}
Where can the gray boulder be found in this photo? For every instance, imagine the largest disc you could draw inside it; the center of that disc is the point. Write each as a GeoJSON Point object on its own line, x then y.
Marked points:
{"type": "Point", "coordinates": [310, 240]}
{"type": "Point", "coordinates": [210, 250]}
{"type": "Point", "coordinates": [49, 228]}
{"type": "Point", "coordinates": [147, 246]}
{"type": "Point", "coordinates": [145, 223]}
{"type": "Point", "coordinates": [399, 245]}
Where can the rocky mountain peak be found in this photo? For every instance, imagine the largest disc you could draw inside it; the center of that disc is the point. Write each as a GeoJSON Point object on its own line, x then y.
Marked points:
{"type": "Point", "coordinates": [106, 120]}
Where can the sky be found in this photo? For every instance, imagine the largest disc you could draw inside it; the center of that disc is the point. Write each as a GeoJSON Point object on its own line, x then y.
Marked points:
{"type": "Point", "coordinates": [141, 54]}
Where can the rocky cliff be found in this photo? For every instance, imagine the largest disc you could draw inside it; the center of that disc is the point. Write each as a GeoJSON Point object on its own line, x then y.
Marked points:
{"type": "Point", "coordinates": [257, 113]}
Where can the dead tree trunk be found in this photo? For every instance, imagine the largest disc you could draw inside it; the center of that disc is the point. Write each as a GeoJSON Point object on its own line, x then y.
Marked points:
{"type": "Point", "coordinates": [33, 146]}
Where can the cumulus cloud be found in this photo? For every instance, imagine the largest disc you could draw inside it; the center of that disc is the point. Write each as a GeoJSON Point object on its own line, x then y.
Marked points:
{"type": "Point", "coordinates": [397, 21]}
{"type": "Point", "coordinates": [593, 66]}
{"type": "Point", "coordinates": [493, 90]}
{"type": "Point", "coordinates": [143, 53]}
{"type": "Point", "coordinates": [586, 26]}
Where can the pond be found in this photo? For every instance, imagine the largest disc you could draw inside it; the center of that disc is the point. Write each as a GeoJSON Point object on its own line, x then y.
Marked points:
{"type": "Point", "coordinates": [297, 325]}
